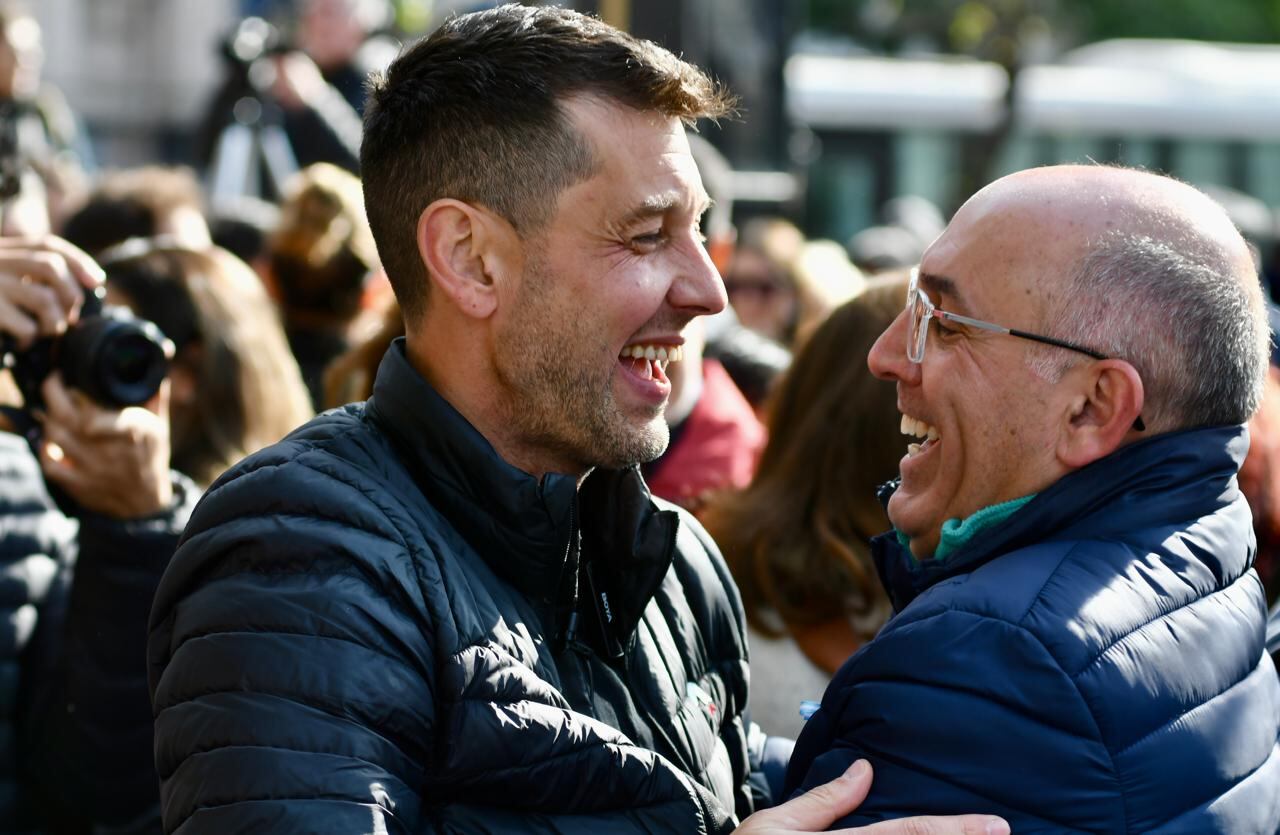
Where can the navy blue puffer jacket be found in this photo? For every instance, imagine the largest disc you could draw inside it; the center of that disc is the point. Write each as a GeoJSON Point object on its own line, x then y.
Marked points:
{"type": "Point", "coordinates": [1094, 664]}
{"type": "Point", "coordinates": [378, 625]}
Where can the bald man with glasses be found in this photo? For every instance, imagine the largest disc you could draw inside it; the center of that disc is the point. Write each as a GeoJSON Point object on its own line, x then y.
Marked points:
{"type": "Point", "coordinates": [1078, 641]}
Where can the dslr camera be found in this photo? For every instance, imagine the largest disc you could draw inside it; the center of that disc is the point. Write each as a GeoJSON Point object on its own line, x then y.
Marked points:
{"type": "Point", "coordinates": [115, 358]}
{"type": "Point", "coordinates": [109, 354]}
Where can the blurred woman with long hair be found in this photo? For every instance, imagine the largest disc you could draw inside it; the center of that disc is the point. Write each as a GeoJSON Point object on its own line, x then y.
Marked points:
{"type": "Point", "coordinates": [797, 539]}
{"type": "Point", "coordinates": [235, 385]}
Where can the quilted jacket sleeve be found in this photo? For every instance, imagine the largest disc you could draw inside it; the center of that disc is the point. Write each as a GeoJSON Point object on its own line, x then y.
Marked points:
{"type": "Point", "coordinates": [962, 713]}
{"type": "Point", "coordinates": [289, 664]}
{"type": "Point", "coordinates": [88, 728]}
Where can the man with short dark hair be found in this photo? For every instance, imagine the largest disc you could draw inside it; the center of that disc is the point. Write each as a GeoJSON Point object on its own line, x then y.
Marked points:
{"type": "Point", "coordinates": [1079, 637]}
{"type": "Point", "coordinates": [456, 607]}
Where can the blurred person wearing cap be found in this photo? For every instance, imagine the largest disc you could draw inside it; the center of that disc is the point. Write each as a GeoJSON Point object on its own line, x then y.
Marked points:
{"type": "Point", "coordinates": [1078, 638]}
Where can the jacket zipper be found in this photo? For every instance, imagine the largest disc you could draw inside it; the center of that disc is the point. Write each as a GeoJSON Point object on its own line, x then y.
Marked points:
{"type": "Point", "coordinates": [572, 562]}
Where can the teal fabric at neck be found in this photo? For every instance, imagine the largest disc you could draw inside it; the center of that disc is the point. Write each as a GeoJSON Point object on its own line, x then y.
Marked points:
{"type": "Point", "coordinates": [956, 533]}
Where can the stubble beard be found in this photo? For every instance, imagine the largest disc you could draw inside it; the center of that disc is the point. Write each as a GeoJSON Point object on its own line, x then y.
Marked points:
{"type": "Point", "coordinates": [560, 388]}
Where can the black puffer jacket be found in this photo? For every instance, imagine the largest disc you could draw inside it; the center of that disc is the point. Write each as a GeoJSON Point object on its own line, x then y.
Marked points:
{"type": "Point", "coordinates": [378, 625]}
{"type": "Point", "coordinates": [75, 729]}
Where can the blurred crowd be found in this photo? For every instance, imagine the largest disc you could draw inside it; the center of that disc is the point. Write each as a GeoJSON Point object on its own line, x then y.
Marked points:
{"type": "Point", "coordinates": [260, 275]}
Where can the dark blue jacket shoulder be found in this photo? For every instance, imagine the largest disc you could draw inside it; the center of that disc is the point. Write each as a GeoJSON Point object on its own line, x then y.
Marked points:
{"type": "Point", "coordinates": [1096, 663]}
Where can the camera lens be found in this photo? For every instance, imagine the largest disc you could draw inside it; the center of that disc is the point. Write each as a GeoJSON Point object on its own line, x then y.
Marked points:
{"type": "Point", "coordinates": [116, 360]}
{"type": "Point", "coordinates": [130, 359]}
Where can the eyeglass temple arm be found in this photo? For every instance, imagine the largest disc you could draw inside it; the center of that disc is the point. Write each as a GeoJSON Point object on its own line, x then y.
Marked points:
{"type": "Point", "coordinates": [1034, 337]}
{"type": "Point", "coordinates": [1138, 423]}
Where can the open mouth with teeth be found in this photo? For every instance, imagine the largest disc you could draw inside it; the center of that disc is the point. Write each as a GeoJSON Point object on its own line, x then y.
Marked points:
{"type": "Point", "coordinates": [649, 362]}
{"type": "Point", "coordinates": [919, 429]}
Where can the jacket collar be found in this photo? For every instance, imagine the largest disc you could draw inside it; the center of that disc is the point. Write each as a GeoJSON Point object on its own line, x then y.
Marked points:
{"type": "Point", "coordinates": [528, 531]}
{"type": "Point", "coordinates": [1174, 476]}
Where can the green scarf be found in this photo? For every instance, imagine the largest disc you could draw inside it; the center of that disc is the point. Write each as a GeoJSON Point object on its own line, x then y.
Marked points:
{"type": "Point", "coordinates": [956, 533]}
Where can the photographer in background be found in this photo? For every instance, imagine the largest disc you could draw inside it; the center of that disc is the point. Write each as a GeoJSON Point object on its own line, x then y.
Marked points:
{"type": "Point", "coordinates": [77, 576]}
{"type": "Point", "coordinates": [336, 52]}
{"type": "Point", "coordinates": [305, 92]}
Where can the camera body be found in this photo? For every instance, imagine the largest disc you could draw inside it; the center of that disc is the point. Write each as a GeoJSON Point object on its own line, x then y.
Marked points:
{"type": "Point", "coordinates": [110, 355]}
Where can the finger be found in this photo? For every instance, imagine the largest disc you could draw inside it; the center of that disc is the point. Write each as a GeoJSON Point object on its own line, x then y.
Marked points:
{"type": "Point", "coordinates": [80, 413]}
{"type": "Point", "coordinates": [958, 825]}
{"type": "Point", "coordinates": [71, 448]}
{"type": "Point", "coordinates": [17, 324]}
{"type": "Point", "coordinates": [97, 421]}
{"type": "Point", "coordinates": [818, 808]}
{"type": "Point", "coordinates": [86, 272]}
{"type": "Point", "coordinates": [57, 467]}
{"type": "Point", "coordinates": [37, 300]}
{"type": "Point", "coordinates": [49, 269]}
{"type": "Point", "coordinates": [159, 404]}
{"type": "Point", "coordinates": [59, 407]}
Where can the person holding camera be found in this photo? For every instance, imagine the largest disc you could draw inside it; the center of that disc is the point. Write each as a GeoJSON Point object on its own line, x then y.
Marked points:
{"type": "Point", "coordinates": [90, 513]}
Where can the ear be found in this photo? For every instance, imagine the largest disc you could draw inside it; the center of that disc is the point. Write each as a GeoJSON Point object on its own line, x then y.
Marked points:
{"type": "Point", "coordinates": [468, 252]}
{"type": "Point", "coordinates": [1102, 413]}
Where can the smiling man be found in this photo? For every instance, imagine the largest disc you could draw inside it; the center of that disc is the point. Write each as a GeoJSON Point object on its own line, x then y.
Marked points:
{"type": "Point", "coordinates": [456, 607]}
{"type": "Point", "coordinates": [1078, 644]}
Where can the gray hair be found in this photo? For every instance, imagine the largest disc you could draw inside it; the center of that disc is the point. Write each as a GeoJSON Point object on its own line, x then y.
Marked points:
{"type": "Point", "coordinates": [1195, 332]}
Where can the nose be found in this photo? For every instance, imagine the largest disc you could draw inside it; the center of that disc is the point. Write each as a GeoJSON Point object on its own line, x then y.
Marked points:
{"type": "Point", "coordinates": [697, 289]}
{"type": "Point", "coordinates": [887, 358]}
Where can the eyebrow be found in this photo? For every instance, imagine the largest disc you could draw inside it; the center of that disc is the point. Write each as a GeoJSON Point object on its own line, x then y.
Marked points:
{"type": "Point", "coordinates": [940, 285]}
{"type": "Point", "coordinates": [659, 204]}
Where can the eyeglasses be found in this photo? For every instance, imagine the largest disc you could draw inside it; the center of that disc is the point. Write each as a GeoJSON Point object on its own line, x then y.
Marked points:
{"type": "Point", "coordinates": [920, 310]}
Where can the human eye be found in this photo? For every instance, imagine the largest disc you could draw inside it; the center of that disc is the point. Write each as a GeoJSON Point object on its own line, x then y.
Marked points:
{"type": "Point", "coordinates": [648, 241]}
{"type": "Point", "coordinates": [946, 329]}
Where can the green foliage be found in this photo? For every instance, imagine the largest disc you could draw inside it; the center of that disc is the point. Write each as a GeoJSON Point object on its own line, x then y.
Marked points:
{"type": "Point", "coordinates": [1253, 21]}
{"type": "Point", "coordinates": [1000, 29]}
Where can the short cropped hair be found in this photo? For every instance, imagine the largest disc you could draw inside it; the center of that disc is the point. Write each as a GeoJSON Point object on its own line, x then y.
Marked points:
{"type": "Point", "coordinates": [1194, 329]}
{"type": "Point", "coordinates": [474, 112]}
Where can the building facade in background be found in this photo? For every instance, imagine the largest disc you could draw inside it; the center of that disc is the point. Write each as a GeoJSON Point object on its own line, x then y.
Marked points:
{"type": "Point", "coordinates": [138, 72]}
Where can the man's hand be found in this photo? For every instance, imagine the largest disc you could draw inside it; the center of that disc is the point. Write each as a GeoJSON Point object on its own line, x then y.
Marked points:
{"type": "Point", "coordinates": [42, 284]}
{"type": "Point", "coordinates": [815, 810]}
{"type": "Point", "coordinates": [112, 462]}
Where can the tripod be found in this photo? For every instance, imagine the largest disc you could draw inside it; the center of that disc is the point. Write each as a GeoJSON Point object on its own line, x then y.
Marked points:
{"type": "Point", "coordinates": [246, 148]}
{"type": "Point", "coordinates": [252, 155]}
